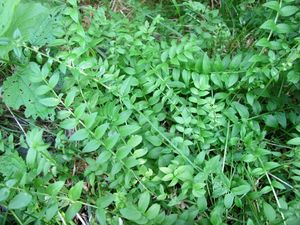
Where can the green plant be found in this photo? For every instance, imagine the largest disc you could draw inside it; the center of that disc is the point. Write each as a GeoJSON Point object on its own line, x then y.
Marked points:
{"type": "Point", "coordinates": [150, 119]}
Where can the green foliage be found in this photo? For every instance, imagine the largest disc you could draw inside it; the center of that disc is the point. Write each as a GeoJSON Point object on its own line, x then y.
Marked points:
{"type": "Point", "coordinates": [27, 88]}
{"type": "Point", "coordinates": [171, 114]}
{"type": "Point", "coordinates": [7, 12]}
{"type": "Point", "coordinates": [11, 164]}
{"type": "Point", "coordinates": [29, 21]}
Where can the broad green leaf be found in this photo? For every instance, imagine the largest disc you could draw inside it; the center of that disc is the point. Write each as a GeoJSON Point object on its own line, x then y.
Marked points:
{"type": "Point", "coordinates": [242, 110]}
{"type": "Point", "coordinates": [231, 80]}
{"type": "Point", "coordinates": [184, 173]}
{"type": "Point", "coordinates": [123, 151]}
{"type": "Point", "coordinates": [25, 20]}
{"type": "Point", "coordinates": [272, 5]}
{"type": "Point", "coordinates": [51, 211]}
{"type": "Point", "coordinates": [288, 10]}
{"type": "Point", "coordinates": [7, 10]}
{"type": "Point", "coordinates": [126, 85]}
{"type": "Point", "coordinates": [271, 121]}
{"type": "Point", "coordinates": [231, 114]}
{"type": "Point", "coordinates": [164, 56]}
{"type": "Point", "coordinates": [72, 210]}
{"type": "Point", "coordinates": [241, 190]}
{"type": "Point", "coordinates": [21, 200]}
{"type": "Point", "coordinates": [216, 79]}
{"type": "Point", "coordinates": [70, 97]}
{"type": "Point", "coordinates": [269, 212]}
{"type": "Point", "coordinates": [196, 79]}
{"type": "Point", "coordinates": [249, 158]}
{"type": "Point", "coordinates": [31, 157]}
{"type": "Point", "coordinates": [189, 55]}
{"type": "Point", "coordinates": [73, 2]}
{"type": "Point", "coordinates": [181, 57]}
{"type": "Point", "coordinates": [105, 201]}
{"type": "Point", "coordinates": [202, 203]}
{"type": "Point", "coordinates": [263, 42]}
{"type": "Point", "coordinates": [35, 75]}
{"type": "Point", "coordinates": [80, 110]}
{"type": "Point", "coordinates": [269, 25]}
{"type": "Point", "coordinates": [283, 28]}
{"type": "Point", "coordinates": [103, 157]}
{"type": "Point", "coordinates": [91, 146]}
{"type": "Point", "coordinates": [75, 192]}
{"type": "Point", "coordinates": [63, 114]}
{"type": "Point", "coordinates": [293, 77]}
{"type": "Point", "coordinates": [179, 120]}
{"type": "Point", "coordinates": [90, 119]}
{"type": "Point", "coordinates": [204, 82]}
{"type": "Point", "coordinates": [134, 141]}
{"type": "Point", "coordinates": [166, 170]}
{"type": "Point", "coordinates": [127, 130]}
{"type": "Point", "coordinates": [186, 75]}
{"type": "Point", "coordinates": [271, 165]}
{"type": "Point", "coordinates": [236, 61]}
{"type": "Point", "coordinates": [206, 64]}
{"type": "Point", "coordinates": [131, 213]}
{"type": "Point", "coordinates": [228, 200]}
{"type": "Point", "coordinates": [198, 189]}
{"type": "Point", "coordinates": [53, 189]}
{"type": "Point", "coordinates": [79, 135]}
{"type": "Point", "coordinates": [172, 52]}
{"type": "Point", "coordinates": [53, 80]}
{"type": "Point", "coordinates": [123, 117]}
{"type": "Point", "coordinates": [140, 152]}
{"type": "Point", "coordinates": [153, 211]}
{"type": "Point", "coordinates": [129, 70]}
{"type": "Point", "coordinates": [131, 162]}
{"type": "Point", "coordinates": [100, 131]}
{"type": "Point", "coordinates": [43, 89]}
{"type": "Point", "coordinates": [294, 141]}
{"type": "Point", "coordinates": [101, 216]}
{"type": "Point", "coordinates": [250, 98]}
{"type": "Point", "coordinates": [68, 124]}
{"type": "Point", "coordinates": [250, 222]}
{"type": "Point", "coordinates": [154, 140]}
{"type": "Point", "coordinates": [144, 201]}
{"type": "Point", "coordinates": [167, 177]}
{"type": "Point", "coordinates": [111, 141]}
{"type": "Point", "coordinates": [176, 74]}
{"type": "Point", "coordinates": [4, 193]}
{"type": "Point", "coordinates": [50, 102]}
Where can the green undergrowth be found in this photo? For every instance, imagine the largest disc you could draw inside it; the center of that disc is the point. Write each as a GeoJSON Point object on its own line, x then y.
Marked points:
{"type": "Point", "coordinates": [141, 112]}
